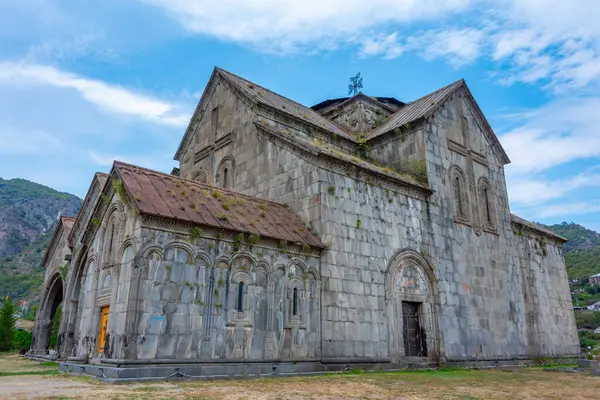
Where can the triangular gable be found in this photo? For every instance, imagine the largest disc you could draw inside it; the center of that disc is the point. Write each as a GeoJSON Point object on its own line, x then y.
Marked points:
{"type": "Point", "coordinates": [427, 105]}
{"type": "Point", "coordinates": [86, 209]}
{"type": "Point", "coordinates": [258, 95]}
{"type": "Point", "coordinates": [64, 226]}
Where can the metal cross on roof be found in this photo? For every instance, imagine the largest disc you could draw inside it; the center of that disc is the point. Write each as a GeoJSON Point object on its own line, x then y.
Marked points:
{"type": "Point", "coordinates": [355, 85]}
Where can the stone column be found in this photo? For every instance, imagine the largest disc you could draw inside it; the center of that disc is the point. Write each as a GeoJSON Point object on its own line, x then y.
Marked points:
{"type": "Point", "coordinates": [133, 310]}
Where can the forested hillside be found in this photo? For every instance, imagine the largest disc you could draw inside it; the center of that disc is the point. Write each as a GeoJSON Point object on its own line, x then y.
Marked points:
{"type": "Point", "coordinates": [582, 251]}
{"type": "Point", "coordinates": [28, 214]}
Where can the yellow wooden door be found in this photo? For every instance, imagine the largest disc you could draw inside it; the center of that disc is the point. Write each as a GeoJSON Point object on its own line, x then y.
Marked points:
{"type": "Point", "coordinates": [103, 323]}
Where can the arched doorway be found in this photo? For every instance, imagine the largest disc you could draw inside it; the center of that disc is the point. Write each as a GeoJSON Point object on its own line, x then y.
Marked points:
{"type": "Point", "coordinates": [412, 308]}
{"type": "Point", "coordinates": [48, 318]}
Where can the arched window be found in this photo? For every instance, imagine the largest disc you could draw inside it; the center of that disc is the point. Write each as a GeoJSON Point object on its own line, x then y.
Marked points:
{"type": "Point", "coordinates": [201, 176]}
{"type": "Point", "coordinates": [486, 204]}
{"type": "Point", "coordinates": [295, 302]}
{"type": "Point", "coordinates": [460, 194]}
{"type": "Point", "coordinates": [225, 173]}
{"type": "Point", "coordinates": [240, 297]}
{"type": "Point", "coordinates": [110, 241]}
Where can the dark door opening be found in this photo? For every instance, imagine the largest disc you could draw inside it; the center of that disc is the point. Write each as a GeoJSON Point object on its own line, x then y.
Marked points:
{"type": "Point", "coordinates": [414, 335]}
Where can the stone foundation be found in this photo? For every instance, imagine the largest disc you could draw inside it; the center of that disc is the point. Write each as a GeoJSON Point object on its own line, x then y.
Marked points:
{"type": "Point", "coordinates": [122, 370]}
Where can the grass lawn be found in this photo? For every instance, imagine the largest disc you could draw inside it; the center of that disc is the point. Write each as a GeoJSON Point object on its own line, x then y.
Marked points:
{"type": "Point", "coordinates": [530, 383]}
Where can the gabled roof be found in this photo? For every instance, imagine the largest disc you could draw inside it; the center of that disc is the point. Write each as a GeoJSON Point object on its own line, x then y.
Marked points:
{"type": "Point", "coordinates": [416, 109]}
{"type": "Point", "coordinates": [427, 105]}
{"type": "Point", "coordinates": [65, 224]}
{"type": "Point", "coordinates": [167, 196]}
{"type": "Point", "coordinates": [99, 177]}
{"type": "Point", "coordinates": [260, 95]}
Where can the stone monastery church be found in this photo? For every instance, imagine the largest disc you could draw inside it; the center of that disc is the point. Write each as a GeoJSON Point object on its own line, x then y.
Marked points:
{"type": "Point", "coordinates": [293, 239]}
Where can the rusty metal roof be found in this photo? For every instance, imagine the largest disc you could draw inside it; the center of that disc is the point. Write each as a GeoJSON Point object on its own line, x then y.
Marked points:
{"type": "Point", "coordinates": [282, 104]}
{"type": "Point", "coordinates": [168, 196]}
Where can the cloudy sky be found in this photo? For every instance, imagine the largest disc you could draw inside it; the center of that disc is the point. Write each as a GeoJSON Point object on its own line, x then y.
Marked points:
{"type": "Point", "coordinates": [83, 82]}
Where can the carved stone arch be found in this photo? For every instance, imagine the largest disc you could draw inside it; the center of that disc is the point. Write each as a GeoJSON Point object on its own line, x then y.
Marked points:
{"type": "Point", "coordinates": [202, 258]}
{"type": "Point", "coordinates": [244, 261]}
{"type": "Point", "coordinates": [201, 176]}
{"type": "Point", "coordinates": [241, 276]}
{"type": "Point", "coordinates": [412, 298]}
{"type": "Point", "coordinates": [460, 195]}
{"type": "Point", "coordinates": [112, 224]}
{"type": "Point", "coordinates": [223, 259]}
{"type": "Point", "coordinates": [280, 267]}
{"type": "Point", "coordinates": [315, 274]}
{"type": "Point", "coordinates": [225, 173]}
{"type": "Point", "coordinates": [129, 242]}
{"type": "Point", "coordinates": [295, 283]}
{"type": "Point", "coordinates": [149, 249]}
{"type": "Point", "coordinates": [487, 204]}
{"type": "Point", "coordinates": [52, 296]}
{"type": "Point", "coordinates": [264, 264]}
{"type": "Point", "coordinates": [178, 244]}
{"type": "Point", "coordinates": [296, 268]}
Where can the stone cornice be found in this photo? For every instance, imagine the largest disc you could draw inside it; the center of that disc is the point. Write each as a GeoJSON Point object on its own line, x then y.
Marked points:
{"type": "Point", "coordinates": [212, 233]}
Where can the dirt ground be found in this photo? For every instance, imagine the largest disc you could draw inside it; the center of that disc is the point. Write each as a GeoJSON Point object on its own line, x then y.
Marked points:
{"type": "Point", "coordinates": [23, 379]}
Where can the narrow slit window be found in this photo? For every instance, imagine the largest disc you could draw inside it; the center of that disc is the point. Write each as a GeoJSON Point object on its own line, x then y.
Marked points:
{"type": "Point", "coordinates": [225, 178]}
{"type": "Point", "coordinates": [215, 120]}
{"type": "Point", "coordinates": [295, 302]}
{"type": "Point", "coordinates": [240, 299]}
{"type": "Point", "coordinates": [458, 196]}
{"type": "Point", "coordinates": [487, 205]}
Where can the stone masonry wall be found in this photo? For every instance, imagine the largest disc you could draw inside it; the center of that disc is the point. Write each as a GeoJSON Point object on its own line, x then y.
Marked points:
{"type": "Point", "coordinates": [190, 300]}
{"type": "Point", "coordinates": [483, 299]}
{"type": "Point", "coordinates": [104, 280]}
{"type": "Point", "coordinates": [550, 322]}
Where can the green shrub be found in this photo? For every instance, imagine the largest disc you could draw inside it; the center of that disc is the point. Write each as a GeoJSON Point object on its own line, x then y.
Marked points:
{"type": "Point", "coordinates": [22, 340]}
{"type": "Point", "coordinates": [7, 325]}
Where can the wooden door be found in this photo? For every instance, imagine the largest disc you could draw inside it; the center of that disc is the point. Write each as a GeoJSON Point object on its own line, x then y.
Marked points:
{"type": "Point", "coordinates": [104, 311]}
{"type": "Point", "coordinates": [414, 343]}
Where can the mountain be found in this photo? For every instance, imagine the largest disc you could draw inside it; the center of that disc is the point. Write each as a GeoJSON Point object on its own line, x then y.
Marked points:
{"type": "Point", "coordinates": [28, 214]}
{"type": "Point", "coordinates": [582, 251]}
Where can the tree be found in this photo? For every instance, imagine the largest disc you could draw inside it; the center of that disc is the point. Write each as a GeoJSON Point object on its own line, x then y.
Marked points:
{"type": "Point", "coordinates": [7, 325]}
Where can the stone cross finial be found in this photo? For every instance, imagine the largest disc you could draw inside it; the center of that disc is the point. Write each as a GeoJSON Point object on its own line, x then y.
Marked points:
{"type": "Point", "coordinates": [357, 83]}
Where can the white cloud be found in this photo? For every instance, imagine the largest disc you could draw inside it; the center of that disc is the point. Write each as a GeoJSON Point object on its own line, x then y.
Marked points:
{"type": "Point", "coordinates": [529, 191]}
{"type": "Point", "coordinates": [562, 131]}
{"type": "Point", "coordinates": [542, 147]}
{"type": "Point", "coordinates": [37, 141]}
{"type": "Point", "coordinates": [459, 47]}
{"type": "Point", "coordinates": [283, 26]}
{"type": "Point", "coordinates": [111, 98]}
{"type": "Point", "coordinates": [566, 209]}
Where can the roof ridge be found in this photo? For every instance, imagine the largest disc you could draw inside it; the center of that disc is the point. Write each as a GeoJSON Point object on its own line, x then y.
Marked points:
{"type": "Point", "coordinates": [268, 90]}
{"type": "Point", "coordinates": [461, 80]}
{"type": "Point", "coordinates": [318, 120]}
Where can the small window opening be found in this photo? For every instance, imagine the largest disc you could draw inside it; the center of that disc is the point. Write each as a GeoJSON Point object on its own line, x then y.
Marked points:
{"type": "Point", "coordinates": [457, 195]}
{"type": "Point", "coordinates": [240, 299]}
{"type": "Point", "coordinates": [215, 120]}
{"type": "Point", "coordinates": [487, 205]}
{"type": "Point", "coordinates": [225, 178]}
{"type": "Point", "coordinates": [295, 302]}
{"type": "Point", "coordinates": [111, 239]}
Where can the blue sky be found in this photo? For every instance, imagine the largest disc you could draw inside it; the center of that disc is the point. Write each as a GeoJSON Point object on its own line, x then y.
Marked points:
{"type": "Point", "coordinates": [84, 82]}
